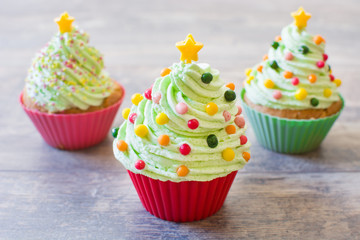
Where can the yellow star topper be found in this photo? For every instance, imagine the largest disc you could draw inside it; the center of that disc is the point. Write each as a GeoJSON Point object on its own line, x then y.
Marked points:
{"type": "Point", "coordinates": [189, 49]}
{"type": "Point", "coordinates": [301, 17]}
{"type": "Point", "coordinates": [64, 22]}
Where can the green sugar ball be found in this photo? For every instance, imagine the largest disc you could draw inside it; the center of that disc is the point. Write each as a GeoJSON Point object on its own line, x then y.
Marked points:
{"type": "Point", "coordinates": [314, 102]}
{"type": "Point", "coordinates": [206, 77]}
{"type": "Point", "coordinates": [274, 65]}
{"type": "Point", "coordinates": [303, 49]}
{"type": "Point", "coordinates": [114, 132]}
{"type": "Point", "coordinates": [212, 141]}
{"type": "Point", "coordinates": [275, 45]}
{"type": "Point", "coordinates": [230, 95]}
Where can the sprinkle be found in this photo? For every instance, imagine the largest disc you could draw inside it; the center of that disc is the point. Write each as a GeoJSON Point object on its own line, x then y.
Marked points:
{"type": "Point", "coordinates": [156, 97]}
{"type": "Point", "coordinates": [121, 145]}
{"type": "Point", "coordinates": [125, 113]}
{"type": "Point", "coordinates": [165, 72]}
{"type": "Point", "coordinates": [141, 130]}
{"type": "Point", "coordinates": [136, 98]}
{"type": "Point", "coordinates": [212, 141]}
{"type": "Point", "coordinates": [300, 94]}
{"type": "Point", "coordinates": [295, 81]}
{"type": "Point", "coordinates": [243, 139]}
{"type": "Point", "coordinates": [185, 149]}
{"type": "Point", "coordinates": [287, 74]}
{"type": "Point", "coordinates": [248, 71]}
{"type": "Point", "coordinates": [246, 156]}
{"type": "Point", "coordinates": [182, 171]}
{"type": "Point", "coordinates": [277, 94]}
{"type": "Point", "coordinates": [228, 154]}
{"type": "Point", "coordinates": [337, 82]}
{"type": "Point", "coordinates": [193, 124]}
{"type": "Point", "coordinates": [312, 78]}
{"type": "Point", "coordinates": [211, 108]}
{"type": "Point", "coordinates": [227, 116]}
{"type": "Point", "coordinates": [327, 92]}
{"type": "Point", "coordinates": [230, 129]}
{"type": "Point", "coordinates": [162, 119]}
{"type": "Point", "coordinates": [269, 83]}
{"type": "Point", "coordinates": [239, 121]}
{"type": "Point", "coordinates": [181, 108]}
{"type": "Point", "coordinates": [139, 164]}
{"type": "Point", "coordinates": [164, 140]}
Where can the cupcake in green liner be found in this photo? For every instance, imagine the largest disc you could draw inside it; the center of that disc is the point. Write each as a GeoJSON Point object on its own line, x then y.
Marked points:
{"type": "Point", "coordinates": [291, 97]}
{"type": "Point", "coordinates": [183, 140]}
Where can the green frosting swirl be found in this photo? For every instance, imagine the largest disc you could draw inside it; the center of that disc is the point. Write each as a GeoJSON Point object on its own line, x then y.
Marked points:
{"type": "Point", "coordinates": [302, 65]}
{"type": "Point", "coordinates": [184, 85]}
{"type": "Point", "coordinates": [68, 73]}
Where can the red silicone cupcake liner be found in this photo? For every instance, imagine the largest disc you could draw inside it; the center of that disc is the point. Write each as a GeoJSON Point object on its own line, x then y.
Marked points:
{"type": "Point", "coordinates": [182, 201]}
{"type": "Point", "coordinates": [73, 131]}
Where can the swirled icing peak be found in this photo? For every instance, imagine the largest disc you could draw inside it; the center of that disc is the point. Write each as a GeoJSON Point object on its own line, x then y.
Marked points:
{"type": "Point", "coordinates": [185, 127]}
{"type": "Point", "coordinates": [67, 72]}
{"type": "Point", "coordinates": [295, 73]}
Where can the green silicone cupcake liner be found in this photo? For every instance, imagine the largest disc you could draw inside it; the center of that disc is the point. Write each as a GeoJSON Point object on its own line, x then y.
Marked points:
{"type": "Point", "coordinates": [288, 135]}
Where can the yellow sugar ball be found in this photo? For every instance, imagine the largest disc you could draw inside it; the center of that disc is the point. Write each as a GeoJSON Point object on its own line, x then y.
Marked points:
{"type": "Point", "coordinates": [162, 119]}
{"type": "Point", "coordinates": [141, 130]}
{"type": "Point", "coordinates": [301, 94]}
{"type": "Point", "coordinates": [249, 79]}
{"type": "Point", "coordinates": [248, 71]}
{"type": "Point", "coordinates": [136, 98]}
{"type": "Point", "coordinates": [228, 154]}
{"type": "Point", "coordinates": [327, 92]}
{"type": "Point", "coordinates": [211, 108]}
{"type": "Point", "coordinates": [125, 113]}
{"type": "Point", "coordinates": [337, 82]}
{"type": "Point", "coordinates": [269, 83]}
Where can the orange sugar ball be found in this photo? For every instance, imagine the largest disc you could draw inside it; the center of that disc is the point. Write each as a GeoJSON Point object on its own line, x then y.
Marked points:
{"type": "Point", "coordinates": [288, 74]}
{"type": "Point", "coordinates": [260, 68]}
{"type": "Point", "coordinates": [246, 156]}
{"type": "Point", "coordinates": [318, 39]}
{"type": "Point", "coordinates": [265, 57]}
{"type": "Point", "coordinates": [231, 86]}
{"type": "Point", "coordinates": [165, 72]}
{"type": "Point", "coordinates": [278, 38]}
{"type": "Point", "coordinates": [164, 140]}
{"type": "Point", "coordinates": [121, 145]}
{"type": "Point", "coordinates": [312, 78]}
{"type": "Point", "coordinates": [230, 129]}
{"type": "Point", "coordinates": [182, 171]}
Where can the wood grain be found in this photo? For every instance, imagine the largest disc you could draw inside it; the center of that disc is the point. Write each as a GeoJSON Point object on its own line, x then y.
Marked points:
{"type": "Point", "coordinates": [51, 194]}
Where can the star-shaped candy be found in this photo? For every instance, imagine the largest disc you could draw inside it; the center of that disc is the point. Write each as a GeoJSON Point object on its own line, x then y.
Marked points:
{"type": "Point", "coordinates": [189, 49]}
{"type": "Point", "coordinates": [64, 22]}
{"type": "Point", "coordinates": [301, 17]}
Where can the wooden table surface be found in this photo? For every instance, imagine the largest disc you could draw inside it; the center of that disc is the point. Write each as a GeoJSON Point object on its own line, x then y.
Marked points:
{"type": "Point", "coordinates": [46, 193]}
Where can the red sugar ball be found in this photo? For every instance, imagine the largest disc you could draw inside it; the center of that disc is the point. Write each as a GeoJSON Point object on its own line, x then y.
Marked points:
{"type": "Point", "coordinates": [132, 117]}
{"type": "Point", "coordinates": [193, 124]}
{"type": "Point", "coordinates": [185, 149]}
{"type": "Point", "coordinates": [139, 164]}
{"type": "Point", "coordinates": [243, 140]}
{"type": "Point", "coordinates": [147, 93]}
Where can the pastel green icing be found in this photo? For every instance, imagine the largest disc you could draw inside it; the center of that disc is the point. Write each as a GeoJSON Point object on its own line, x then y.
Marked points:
{"type": "Point", "coordinates": [302, 65]}
{"type": "Point", "coordinates": [68, 73]}
{"type": "Point", "coordinates": [183, 84]}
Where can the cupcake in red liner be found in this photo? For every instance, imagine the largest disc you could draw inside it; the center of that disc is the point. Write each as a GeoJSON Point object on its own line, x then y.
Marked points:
{"type": "Point", "coordinates": [183, 140]}
{"type": "Point", "coordinates": [68, 95]}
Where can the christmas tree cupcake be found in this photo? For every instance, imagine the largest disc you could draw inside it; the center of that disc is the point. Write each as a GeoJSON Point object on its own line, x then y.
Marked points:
{"type": "Point", "coordinates": [291, 97]}
{"type": "Point", "coordinates": [183, 140]}
{"type": "Point", "coordinates": [68, 95]}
